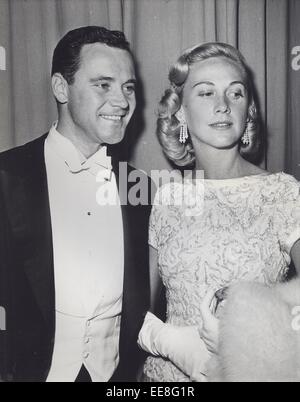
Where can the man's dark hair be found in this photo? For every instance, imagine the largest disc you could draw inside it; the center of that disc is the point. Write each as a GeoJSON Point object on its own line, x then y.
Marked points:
{"type": "Point", "coordinates": [66, 56]}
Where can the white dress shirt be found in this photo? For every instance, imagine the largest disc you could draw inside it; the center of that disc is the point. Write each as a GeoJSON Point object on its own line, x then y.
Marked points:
{"type": "Point", "coordinates": [88, 261]}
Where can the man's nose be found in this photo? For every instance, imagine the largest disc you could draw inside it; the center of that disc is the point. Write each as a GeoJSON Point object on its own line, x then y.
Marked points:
{"type": "Point", "coordinates": [118, 99]}
{"type": "Point", "coordinates": [222, 105]}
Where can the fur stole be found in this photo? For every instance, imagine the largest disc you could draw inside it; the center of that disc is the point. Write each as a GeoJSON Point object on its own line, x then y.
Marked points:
{"type": "Point", "coordinates": [259, 334]}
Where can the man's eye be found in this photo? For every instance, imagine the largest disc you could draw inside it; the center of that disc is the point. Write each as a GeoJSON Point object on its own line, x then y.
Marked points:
{"type": "Point", "coordinates": [103, 85]}
{"type": "Point", "coordinates": [130, 89]}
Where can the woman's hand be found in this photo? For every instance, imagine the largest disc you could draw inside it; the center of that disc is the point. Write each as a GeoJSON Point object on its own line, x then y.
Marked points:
{"type": "Point", "coordinates": [181, 345]}
{"type": "Point", "coordinates": [210, 328]}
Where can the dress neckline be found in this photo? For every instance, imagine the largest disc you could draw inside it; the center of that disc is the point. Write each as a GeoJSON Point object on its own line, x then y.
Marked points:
{"type": "Point", "coordinates": [240, 180]}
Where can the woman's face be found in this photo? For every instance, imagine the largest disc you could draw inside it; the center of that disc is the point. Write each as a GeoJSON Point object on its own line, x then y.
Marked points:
{"type": "Point", "coordinates": [215, 102]}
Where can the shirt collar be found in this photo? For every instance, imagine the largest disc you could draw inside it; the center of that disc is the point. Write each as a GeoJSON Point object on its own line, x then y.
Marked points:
{"type": "Point", "coordinates": [74, 159]}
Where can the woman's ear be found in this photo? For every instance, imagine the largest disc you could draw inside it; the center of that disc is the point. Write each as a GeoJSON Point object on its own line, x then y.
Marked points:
{"type": "Point", "coordinates": [60, 88]}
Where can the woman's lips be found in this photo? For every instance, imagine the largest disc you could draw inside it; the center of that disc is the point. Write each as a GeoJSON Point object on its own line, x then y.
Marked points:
{"type": "Point", "coordinates": [221, 125]}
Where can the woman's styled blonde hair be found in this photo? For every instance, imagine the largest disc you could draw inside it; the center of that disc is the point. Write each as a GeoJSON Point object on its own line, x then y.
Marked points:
{"type": "Point", "coordinates": [168, 127]}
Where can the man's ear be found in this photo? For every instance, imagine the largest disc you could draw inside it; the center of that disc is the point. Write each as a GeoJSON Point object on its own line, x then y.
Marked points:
{"type": "Point", "coordinates": [60, 88]}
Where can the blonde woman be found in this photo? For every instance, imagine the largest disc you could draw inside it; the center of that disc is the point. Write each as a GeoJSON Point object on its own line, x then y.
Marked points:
{"type": "Point", "coordinates": [249, 226]}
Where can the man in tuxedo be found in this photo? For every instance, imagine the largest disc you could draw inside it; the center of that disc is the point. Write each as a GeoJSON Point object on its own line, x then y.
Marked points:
{"type": "Point", "coordinates": [74, 268]}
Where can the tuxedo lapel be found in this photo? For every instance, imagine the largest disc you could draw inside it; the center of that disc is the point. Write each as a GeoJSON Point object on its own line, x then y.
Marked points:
{"type": "Point", "coordinates": [128, 230]}
{"type": "Point", "coordinates": [136, 274]}
{"type": "Point", "coordinates": [31, 225]}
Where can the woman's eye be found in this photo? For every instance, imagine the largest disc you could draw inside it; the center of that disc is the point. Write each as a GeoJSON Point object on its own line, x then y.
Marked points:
{"type": "Point", "coordinates": [236, 95]}
{"type": "Point", "coordinates": [206, 94]}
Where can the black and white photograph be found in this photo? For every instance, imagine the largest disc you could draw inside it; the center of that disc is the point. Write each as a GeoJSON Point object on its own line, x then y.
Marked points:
{"type": "Point", "coordinates": [150, 193]}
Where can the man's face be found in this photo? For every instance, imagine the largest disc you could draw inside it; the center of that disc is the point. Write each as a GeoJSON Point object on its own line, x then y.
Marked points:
{"type": "Point", "coordinates": [101, 99]}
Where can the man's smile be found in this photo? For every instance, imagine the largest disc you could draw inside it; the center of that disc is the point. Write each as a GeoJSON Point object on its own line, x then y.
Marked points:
{"type": "Point", "coordinates": [111, 117]}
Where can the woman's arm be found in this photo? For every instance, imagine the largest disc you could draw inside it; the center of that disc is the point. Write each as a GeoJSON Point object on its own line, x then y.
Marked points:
{"type": "Point", "coordinates": [295, 254]}
{"type": "Point", "coordinates": [181, 345]}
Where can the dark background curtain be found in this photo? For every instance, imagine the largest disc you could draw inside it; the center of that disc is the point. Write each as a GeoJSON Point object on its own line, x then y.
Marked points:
{"type": "Point", "coordinates": [266, 31]}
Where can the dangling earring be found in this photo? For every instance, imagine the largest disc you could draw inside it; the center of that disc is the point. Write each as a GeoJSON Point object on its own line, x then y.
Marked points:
{"type": "Point", "coordinates": [246, 138]}
{"type": "Point", "coordinates": [183, 136]}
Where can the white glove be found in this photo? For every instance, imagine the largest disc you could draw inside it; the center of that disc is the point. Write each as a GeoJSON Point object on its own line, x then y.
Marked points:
{"type": "Point", "coordinates": [181, 345]}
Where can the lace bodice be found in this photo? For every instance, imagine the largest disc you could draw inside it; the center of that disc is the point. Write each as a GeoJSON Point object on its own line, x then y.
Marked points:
{"type": "Point", "coordinates": [243, 232]}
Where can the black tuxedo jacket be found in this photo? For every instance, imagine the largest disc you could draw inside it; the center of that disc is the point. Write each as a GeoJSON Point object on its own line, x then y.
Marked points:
{"type": "Point", "coordinates": [27, 289]}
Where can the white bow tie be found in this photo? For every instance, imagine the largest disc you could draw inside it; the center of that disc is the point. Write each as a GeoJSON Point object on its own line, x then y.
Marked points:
{"type": "Point", "coordinates": [98, 165]}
